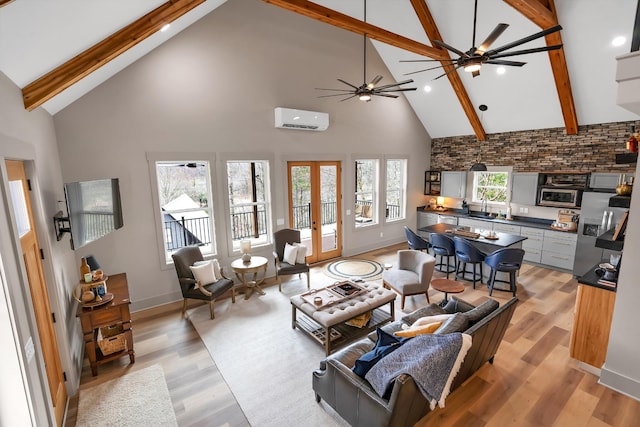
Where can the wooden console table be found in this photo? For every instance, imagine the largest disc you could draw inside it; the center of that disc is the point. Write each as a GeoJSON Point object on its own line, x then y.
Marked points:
{"type": "Point", "coordinates": [116, 312]}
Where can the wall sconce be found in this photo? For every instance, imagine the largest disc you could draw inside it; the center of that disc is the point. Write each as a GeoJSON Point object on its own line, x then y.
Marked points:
{"type": "Point", "coordinates": [245, 248]}
{"type": "Point", "coordinates": [61, 224]}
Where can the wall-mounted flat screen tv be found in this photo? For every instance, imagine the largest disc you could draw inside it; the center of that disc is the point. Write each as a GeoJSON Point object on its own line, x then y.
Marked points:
{"type": "Point", "coordinates": [94, 209]}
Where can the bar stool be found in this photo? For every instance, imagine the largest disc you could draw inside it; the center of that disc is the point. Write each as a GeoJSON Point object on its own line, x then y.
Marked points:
{"type": "Point", "coordinates": [416, 242]}
{"type": "Point", "coordinates": [507, 260]}
{"type": "Point", "coordinates": [443, 245]}
{"type": "Point", "coordinates": [466, 253]}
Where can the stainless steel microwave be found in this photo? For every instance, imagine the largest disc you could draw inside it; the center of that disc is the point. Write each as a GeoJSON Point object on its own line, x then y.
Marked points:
{"type": "Point", "coordinates": [560, 197]}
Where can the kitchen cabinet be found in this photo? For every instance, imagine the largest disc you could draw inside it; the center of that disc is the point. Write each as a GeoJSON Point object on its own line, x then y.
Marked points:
{"type": "Point", "coordinates": [533, 245]}
{"type": "Point", "coordinates": [432, 183]}
{"type": "Point", "coordinates": [507, 228]}
{"type": "Point", "coordinates": [453, 184]}
{"type": "Point", "coordinates": [591, 325]}
{"type": "Point", "coordinates": [448, 219]}
{"type": "Point", "coordinates": [425, 219]}
{"type": "Point", "coordinates": [558, 249]}
{"type": "Point", "coordinates": [608, 181]}
{"type": "Point", "coordinates": [524, 188]}
{"type": "Point", "coordinates": [475, 223]}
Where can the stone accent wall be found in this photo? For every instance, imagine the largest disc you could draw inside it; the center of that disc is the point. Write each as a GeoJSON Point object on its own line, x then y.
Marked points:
{"type": "Point", "coordinates": [593, 149]}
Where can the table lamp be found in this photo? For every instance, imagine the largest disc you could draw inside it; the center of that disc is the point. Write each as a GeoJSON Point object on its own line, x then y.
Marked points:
{"type": "Point", "coordinates": [245, 248]}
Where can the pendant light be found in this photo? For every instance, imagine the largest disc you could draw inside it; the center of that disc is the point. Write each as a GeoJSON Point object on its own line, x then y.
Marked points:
{"type": "Point", "coordinates": [478, 166]}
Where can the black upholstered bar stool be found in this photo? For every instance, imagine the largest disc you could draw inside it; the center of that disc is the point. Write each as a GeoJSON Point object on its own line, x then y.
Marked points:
{"type": "Point", "coordinates": [507, 260]}
{"type": "Point", "coordinates": [466, 253]}
{"type": "Point", "coordinates": [443, 245]}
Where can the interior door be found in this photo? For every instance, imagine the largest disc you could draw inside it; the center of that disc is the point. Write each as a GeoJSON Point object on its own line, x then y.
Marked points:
{"type": "Point", "coordinates": [35, 275]}
{"type": "Point", "coordinates": [315, 207]}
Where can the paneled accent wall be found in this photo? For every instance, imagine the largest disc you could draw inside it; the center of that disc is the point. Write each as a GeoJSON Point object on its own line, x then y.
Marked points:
{"type": "Point", "coordinates": [593, 149]}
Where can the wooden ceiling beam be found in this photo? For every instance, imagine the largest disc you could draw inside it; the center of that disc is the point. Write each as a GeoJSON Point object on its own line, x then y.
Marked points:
{"type": "Point", "coordinates": [543, 13]}
{"type": "Point", "coordinates": [430, 27]}
{"type": "Point", "coordinates": [5, 2]}
{"type": "Point", "coordinates": [346, 22]}
{"type": "Point", "coordinates": [72, 71]}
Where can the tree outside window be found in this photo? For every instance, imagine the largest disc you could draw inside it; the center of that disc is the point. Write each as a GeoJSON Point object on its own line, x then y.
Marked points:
{"type": "Point", "coordinates": [184, 192]}
{"type": "Point", "coordinates": [248, 201]}
{"type": "Point", "coordinates": [396, 189]}
{"type": "Point", "coordinates": [490, 186]}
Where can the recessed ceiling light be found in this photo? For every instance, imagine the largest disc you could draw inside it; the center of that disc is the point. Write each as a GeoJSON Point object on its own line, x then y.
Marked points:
{"type": "Point", "coordinates": [619, 41]}
{"type": "Point", "coordinates": [501, 70]}
{"type": "Point", "coordinates": [165, 27]}
{"type": "Point", "coordinates": [427, 88]}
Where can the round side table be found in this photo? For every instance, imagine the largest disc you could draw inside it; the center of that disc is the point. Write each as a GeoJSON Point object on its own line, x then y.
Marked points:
{"type": "Point", "coordinates": [448, 287]}
{"type": "Point", "coordinates": [255, 265]}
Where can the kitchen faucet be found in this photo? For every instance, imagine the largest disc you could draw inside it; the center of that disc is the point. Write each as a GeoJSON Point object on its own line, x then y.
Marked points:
{"type": "Point", "coordinates": [484, 205]}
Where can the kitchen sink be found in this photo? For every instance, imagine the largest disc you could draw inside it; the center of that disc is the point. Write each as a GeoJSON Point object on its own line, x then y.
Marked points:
{"type": "Point", "coordinates": [481, 215]}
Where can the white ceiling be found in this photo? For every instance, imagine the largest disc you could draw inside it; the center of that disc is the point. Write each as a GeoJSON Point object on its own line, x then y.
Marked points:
{"type": "Point", "coordinates": [36, 36]}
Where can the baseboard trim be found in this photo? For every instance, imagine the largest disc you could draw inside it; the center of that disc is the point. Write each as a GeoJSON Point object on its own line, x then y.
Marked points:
{"type": "Point", "coordinates": [620, 383]}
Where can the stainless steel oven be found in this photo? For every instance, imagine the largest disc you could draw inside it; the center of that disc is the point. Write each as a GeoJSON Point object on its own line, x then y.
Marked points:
{"type": "Point", "coordinates": [560, 197]}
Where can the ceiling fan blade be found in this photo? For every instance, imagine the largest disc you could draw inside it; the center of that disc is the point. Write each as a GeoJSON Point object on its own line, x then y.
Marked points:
{"type": "Point", "coordinates": [448, 72]}
{"type": "Point", "coordinates": [349, 97]}
{"type": "Point", "coordinates": [510, 63]}
{"type": "Point", "coordinates": [491, 38]}
{"type": "Point", "coordinates": [525, 40]}
{"type": "Point", "coordinates": [395, 90]}
{"type": "Point", "coordinates": [451, 48]}
{"type": "Point", "coordinates": [420, 71]}
{"type": "Point", "coordinates": [394, 84]}
{"type": "Point", "coordinates": [385, 94]}
{"type": "Point", "coordinates": [348, 84]}
{"type": "Point", "coordinates": [374, 82]}
{"type": "Point", "coordinates": [337, 90]}
{"type": "Point", "coordinates": [526, 51]}
{"type": "Point", "coordinates": [334, 94]}
{"type": "Point", "coordinates": [427, 60]}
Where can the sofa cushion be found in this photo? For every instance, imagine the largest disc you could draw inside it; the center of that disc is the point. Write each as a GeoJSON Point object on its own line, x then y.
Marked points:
{"type": "Point", "coordinates": [386, 344]}
{"type": "Point", "coordinates": [456, 305]}
{"type": "Point", "coordinates": [430, 310]}
{"type": "Point", "coordinates": [456, 323]}
{"type": "Point", "coordinates": [482, 310]}
{"type": "Point", "coordinates": [418, 330]}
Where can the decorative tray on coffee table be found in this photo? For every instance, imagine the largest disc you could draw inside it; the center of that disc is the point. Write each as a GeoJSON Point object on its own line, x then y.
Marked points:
{"type": "Point", "coordinates": [337, 292]}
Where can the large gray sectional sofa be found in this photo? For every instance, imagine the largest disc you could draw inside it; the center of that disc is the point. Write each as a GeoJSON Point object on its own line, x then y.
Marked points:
{"type": "Point", "coordinates": [357, 402]}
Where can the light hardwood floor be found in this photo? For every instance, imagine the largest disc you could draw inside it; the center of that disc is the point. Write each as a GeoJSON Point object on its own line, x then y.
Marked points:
{"type": "Point", "coordinates": [533, 382]}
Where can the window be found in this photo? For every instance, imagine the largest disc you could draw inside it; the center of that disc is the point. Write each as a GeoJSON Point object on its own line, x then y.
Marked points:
{"type": "Point", "coordinates": [396, 189]}
{"type": "Point", "coordinates": [248, 201]}
{"type": "Point", "coordinates": [490, 186]}
{"type": "Point", "coordinates": [184, 194]}
{"type": "Point", "coordinates": [366, 192]}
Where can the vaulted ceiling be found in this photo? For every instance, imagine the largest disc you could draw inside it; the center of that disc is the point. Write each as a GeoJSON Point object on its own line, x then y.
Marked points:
{"type": "Point", "coordinates": [56, 57]}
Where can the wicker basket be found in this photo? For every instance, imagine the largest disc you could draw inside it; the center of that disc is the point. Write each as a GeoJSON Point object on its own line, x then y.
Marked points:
{"type": "Point", "coordinates": [112, 344]}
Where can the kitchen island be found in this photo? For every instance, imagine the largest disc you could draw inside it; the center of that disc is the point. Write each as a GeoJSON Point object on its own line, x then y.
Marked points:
{"type": "Point", "coordinates": [482, 242]}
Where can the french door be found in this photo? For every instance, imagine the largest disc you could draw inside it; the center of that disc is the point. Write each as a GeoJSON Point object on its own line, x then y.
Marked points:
{"type": "Point", "coordinates": [314, 207]}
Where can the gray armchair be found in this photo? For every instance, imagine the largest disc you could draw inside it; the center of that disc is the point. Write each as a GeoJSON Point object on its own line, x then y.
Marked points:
{"type": "Point", "coordinates": [412, 275]}
{"type": "Point", "coordinates": [192, 289]}
{"type": "Point", "coordinates": [280, 239]}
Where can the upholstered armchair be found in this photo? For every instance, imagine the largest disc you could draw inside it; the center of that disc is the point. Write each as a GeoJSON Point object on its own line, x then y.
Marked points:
{"type": "Point", "coordinates": [192, 288]}
{"type": "Point", "coordinates": [411, 276]}
{"type": "Point", "coordinates": [280, 239]}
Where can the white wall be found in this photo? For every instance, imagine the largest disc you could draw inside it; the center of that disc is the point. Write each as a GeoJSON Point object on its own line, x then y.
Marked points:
{"type": "Point", "coordinates": [30, 137]}
{"type": "Point", "coordinates": [213, 88]}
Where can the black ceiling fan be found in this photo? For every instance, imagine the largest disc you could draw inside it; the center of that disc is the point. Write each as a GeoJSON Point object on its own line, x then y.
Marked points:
{"type": "Point", "coordinates": [473, 59]}
{"type": "Point", "coordinates": [365, 91]}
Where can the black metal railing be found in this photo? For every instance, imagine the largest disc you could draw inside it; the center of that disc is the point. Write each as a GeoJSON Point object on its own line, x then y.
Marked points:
{"type": "Point", "coordinates": [242, 224]}
{"type": "Point", "coordinates": [185, 232]}
{"type": "Point", "coordinates": [391, 211]}
{"type": "Point", "coordinates": [302, 214]}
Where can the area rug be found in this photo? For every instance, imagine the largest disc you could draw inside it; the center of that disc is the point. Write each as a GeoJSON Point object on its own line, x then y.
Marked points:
{"type": "Point", "coordinates": [267, 364]}
{"type": "Point", "coordinates": [348, 268]}
{"type": "Point", "coordinates": [139, 397]}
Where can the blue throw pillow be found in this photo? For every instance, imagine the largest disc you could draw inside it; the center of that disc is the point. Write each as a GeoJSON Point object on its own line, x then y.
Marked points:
{"type": "Point", "coordinates": [386, 344]}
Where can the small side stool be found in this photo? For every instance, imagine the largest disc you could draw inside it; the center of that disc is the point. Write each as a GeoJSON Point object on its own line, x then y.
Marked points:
{"type": "Point", "coordinates": [448, 287]}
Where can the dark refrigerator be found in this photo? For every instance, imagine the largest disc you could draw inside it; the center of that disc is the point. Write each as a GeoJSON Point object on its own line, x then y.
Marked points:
{"type": "Point", "coordinates": [596, 217]}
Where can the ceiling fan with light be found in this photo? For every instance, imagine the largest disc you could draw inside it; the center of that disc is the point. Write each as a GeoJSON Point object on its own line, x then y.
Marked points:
{"type": "Point", "coordinates": [473, 59]}
{"type": "Point", "coordinates": [365, 91]}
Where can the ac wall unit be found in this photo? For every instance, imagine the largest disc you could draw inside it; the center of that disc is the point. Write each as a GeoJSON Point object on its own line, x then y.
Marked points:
{"type": "Point", "coordinates": [289, 118]}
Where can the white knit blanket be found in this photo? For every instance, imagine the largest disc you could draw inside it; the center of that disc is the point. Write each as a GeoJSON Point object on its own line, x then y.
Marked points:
{"type": "Point", "coordinates": [432, 360]}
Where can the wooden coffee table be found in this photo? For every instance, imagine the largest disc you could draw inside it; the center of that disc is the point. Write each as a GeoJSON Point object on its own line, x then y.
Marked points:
{"type": "Point", "coordinates": [255, 265]}
{"type": "Point", "coordinates": [448, 287]}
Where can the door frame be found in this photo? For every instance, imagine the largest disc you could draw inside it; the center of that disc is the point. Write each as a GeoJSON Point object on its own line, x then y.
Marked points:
{"type": "Point", "coordinates": [17, 289]}
{"type": "Point", "coordinates": [315, 213]}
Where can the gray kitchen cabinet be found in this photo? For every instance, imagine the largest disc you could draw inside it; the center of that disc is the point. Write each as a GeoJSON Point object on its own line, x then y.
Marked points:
{"type": "Point", "coordinates": [476, 224]}
{"type": "Point", "coordinates": [524, 187]}
{"type": "Point", "coordinates": [507, 228]}
{"type": "Point", "coordinates": [607, 181]}
{"type": "Point", "coordinates": [558, 249]}
{"type": "Point", "coordinates": [425, 219]}
{"type": "Point", "coordinates": [453, 184]}
{"type": "Point", "coordinates": [533, 245]}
